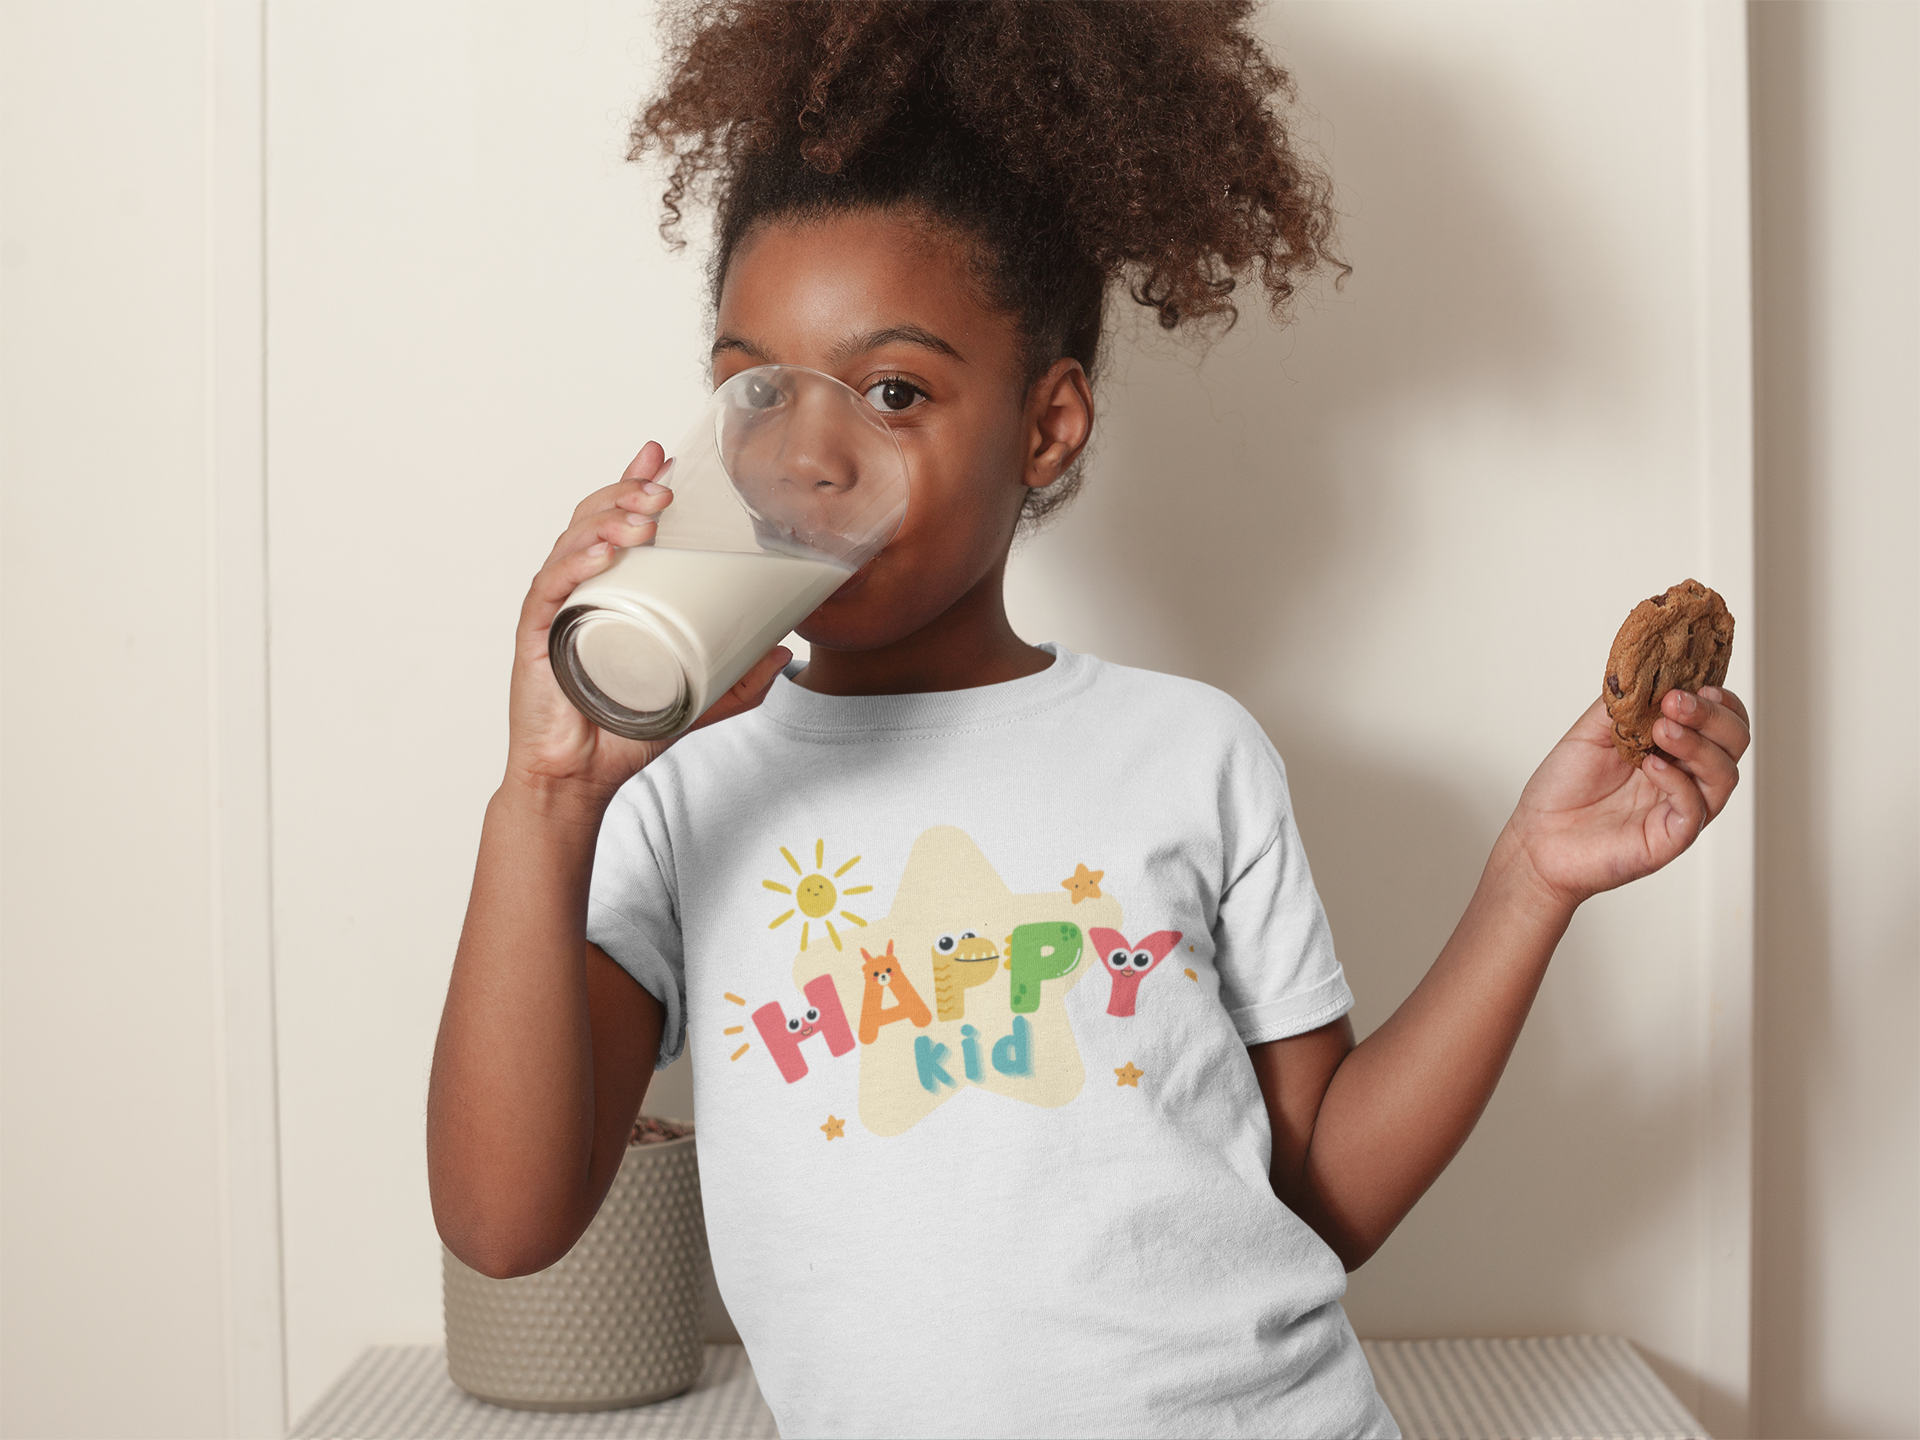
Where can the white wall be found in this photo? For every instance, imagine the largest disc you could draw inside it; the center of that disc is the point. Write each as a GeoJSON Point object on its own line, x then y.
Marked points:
{"type": "Point", "coordinates": [469, 324]}
{"type": "Point", "coordinates": [111, 1255]}
{"type": "Point", "coordinates": [1463, 468]}
{"type": "Point", "coordinates": [1837, 186]}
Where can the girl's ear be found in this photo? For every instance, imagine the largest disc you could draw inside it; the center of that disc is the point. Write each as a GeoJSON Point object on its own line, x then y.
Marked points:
{"type": "Point", "coordinates": [1059, 422]}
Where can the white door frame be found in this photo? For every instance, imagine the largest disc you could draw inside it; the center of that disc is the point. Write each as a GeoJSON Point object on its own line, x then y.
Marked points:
{"type": "Point", "coordinates": [239, 734]}
{"type": "Point", "coordinates": [1724, 324]}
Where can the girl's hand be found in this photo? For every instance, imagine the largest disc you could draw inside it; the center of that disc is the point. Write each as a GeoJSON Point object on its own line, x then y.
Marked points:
{"type": "Point", "coordinates": [1589, 821]}
{"type": "Point", "coordinates": [552, 746]}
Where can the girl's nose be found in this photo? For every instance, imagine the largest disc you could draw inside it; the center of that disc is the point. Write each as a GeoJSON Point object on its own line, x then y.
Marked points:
{"type": "Point", "coordinates": [814, 453]}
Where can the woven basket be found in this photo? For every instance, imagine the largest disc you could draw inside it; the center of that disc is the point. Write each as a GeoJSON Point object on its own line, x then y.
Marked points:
{"type": "Point", "coordinates": [614, 1323]}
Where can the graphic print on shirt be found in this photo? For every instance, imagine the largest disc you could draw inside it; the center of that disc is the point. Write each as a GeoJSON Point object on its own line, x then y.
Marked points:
{"type": "Point", "coordinates": [960, 962]}
{"type": "Point", "coordinates": [814, 895]}
{"type": "Point", "coordinates": [995, 965]}
{"type": "Point", "coordinates": [883, 977]}
{"type": "Point", "coordinates": [821, 1014]}
{"type": "Point", "coordinates": [1083, 884]}
{"type": "Point", "coordinates": [1130, 964]}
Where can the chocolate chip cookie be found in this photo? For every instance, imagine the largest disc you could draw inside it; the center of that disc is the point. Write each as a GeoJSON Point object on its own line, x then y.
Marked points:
{"type": "Point", "coordinates": [1677, 641]}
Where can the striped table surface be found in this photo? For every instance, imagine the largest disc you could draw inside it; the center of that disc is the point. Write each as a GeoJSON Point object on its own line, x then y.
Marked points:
{"type": "Point", "coordinates": [1570, 1387]}
{"type": "Point", "coordinates": [1560, 1387]}
{"type": "Point", "coordinates": [402, 1392]}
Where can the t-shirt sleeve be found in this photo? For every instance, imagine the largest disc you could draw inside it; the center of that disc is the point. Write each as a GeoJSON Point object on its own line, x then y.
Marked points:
{"type": "Point", "coordinates": [632, 909]}
{"type": "Point", "coordinates": [1273, 948]}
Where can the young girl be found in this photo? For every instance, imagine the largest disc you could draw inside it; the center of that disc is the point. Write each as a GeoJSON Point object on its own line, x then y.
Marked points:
{"type": "Point", "coordinates": [1027, 1100]}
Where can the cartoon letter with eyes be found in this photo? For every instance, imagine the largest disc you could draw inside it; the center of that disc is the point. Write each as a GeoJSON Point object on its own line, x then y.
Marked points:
{"type": "Point", "coordinates": [1128, 964]}
{"type": "Point", "coordinates": [822, 1016]}
{"type": "Point", "coordinates": [961, 962]}
{"type": "Point", "coordinates": [882, 974]}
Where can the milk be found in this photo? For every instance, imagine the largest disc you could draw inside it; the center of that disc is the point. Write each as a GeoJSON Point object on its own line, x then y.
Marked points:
{"type": "Point", "coordinates": [785, 485]}
{"type": "Point", "coordinates": [665, 629]}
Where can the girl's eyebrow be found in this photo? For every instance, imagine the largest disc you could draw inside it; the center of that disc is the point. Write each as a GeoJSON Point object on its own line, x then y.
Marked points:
{"type": "Point", "coordinates": [894, 335]}
{"type": "Point", "coordinates": [724, 343]}
{"type": "Point", "coordinates": [853, 345]}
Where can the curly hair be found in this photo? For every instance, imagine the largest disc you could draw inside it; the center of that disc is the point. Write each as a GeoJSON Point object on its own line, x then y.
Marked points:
{"type": "Point", "coordinates": [1073, 142]}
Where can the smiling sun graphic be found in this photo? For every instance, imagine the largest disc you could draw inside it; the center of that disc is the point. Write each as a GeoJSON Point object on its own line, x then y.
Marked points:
{"type": "Point", "coordinates": [814, 895]}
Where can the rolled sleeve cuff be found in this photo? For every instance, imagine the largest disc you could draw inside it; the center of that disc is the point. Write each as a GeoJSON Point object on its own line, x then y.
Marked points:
{"type": "Point", "coordinates": [1293, 1014]}
{"type": "Point", "coordinates": [613, 933]}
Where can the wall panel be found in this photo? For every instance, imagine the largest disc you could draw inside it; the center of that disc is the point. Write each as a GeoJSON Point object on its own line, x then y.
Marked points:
{"type": "Point", "coordinates": [111, 1247]}
{"type": "Point", "coordinates": [1837, 226]}
{"type": "Point", "coordinates": [1402, 531]}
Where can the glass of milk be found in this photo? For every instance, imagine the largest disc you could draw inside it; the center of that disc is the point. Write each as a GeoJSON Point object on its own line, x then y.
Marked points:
{"type": "Point", "coordinates": [789, 483]}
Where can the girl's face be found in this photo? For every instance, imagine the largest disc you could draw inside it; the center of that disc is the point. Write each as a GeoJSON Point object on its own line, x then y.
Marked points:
{"type": "Point", "coordinates": [886, 303]}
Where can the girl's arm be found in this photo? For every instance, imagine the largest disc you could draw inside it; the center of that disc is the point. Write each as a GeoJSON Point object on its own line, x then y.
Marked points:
{"type": "Point", "coordinates": [546, 1044]}
{"type": "Point", "coordinates": [1361, 1131]}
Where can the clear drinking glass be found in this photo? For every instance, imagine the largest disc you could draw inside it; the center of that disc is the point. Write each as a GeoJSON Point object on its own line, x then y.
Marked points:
{"type": "Point", "coordinates": [789, 482]}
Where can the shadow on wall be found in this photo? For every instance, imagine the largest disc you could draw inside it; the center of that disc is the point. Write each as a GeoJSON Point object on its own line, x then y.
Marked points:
{"type": "Point", "coordinates": [1242, 517]}
{"type": "Point", "coordinates": [1794, 959]}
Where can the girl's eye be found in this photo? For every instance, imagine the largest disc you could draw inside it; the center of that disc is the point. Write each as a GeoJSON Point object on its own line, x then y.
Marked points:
{"type": "Point", "coordinates": [895, 395]}
{"type": "Point", "coordinates": [1141, 959]}
{"type": "Point", "coordinates": [761, 394]}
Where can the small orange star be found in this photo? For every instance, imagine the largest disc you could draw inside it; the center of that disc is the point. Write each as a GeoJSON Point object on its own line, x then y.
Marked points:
{"type": "Point", "coordinates": [1129, 1075]}
{"type": "Point", "coordinates": [834, 1129]}
{"type": "Point", "coordinates": [1083, 884]}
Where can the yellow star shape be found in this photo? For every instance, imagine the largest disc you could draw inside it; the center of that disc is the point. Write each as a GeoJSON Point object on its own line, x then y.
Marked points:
{"type": "Point", "coordinates": [1083, 884]}
{"type": "Point", "coordinates": [1129, 1075]}
{"type": "Point", "coordinates": [834, 1128]}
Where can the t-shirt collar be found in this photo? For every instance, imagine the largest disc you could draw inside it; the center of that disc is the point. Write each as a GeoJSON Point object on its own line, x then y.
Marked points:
{"type": "Point", "coordinates": [833, 717]}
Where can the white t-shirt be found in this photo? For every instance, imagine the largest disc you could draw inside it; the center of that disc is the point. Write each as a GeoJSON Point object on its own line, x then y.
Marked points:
{"type": "Point", "coordinates": [973, 975]}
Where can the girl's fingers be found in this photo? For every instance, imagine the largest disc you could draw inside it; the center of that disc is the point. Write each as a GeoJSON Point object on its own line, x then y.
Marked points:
{"type": "Point", "coordinates": [1683, 813]}
{"type": "Point", "coordinates": [1728, 701]}
{"type": "Point", "coordinates": [606, 522]}
{"type": "Point", "coordinates": [647, 463]}
{"type": "Point", "coordinates": [648, 495]}
{"type": "Point", "coordinates": [1717, 722]}
{"type": "Point", "coordinates": [1710, 766]}
{"type": "Point", "coordinates": [630, 521]}
{"type": "Point", "coordinates": [618, 526]}
{"type": "Point", "coordinates": [643, 469]}
{"type": "Point", "coordinates": [750, 689]}
{"type": "Point", "coordinates": [557, 580]}
{"type": "Point", "coordinates": [586, 549]}
{"type": "Point", "coordinates": [1732, 701]}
